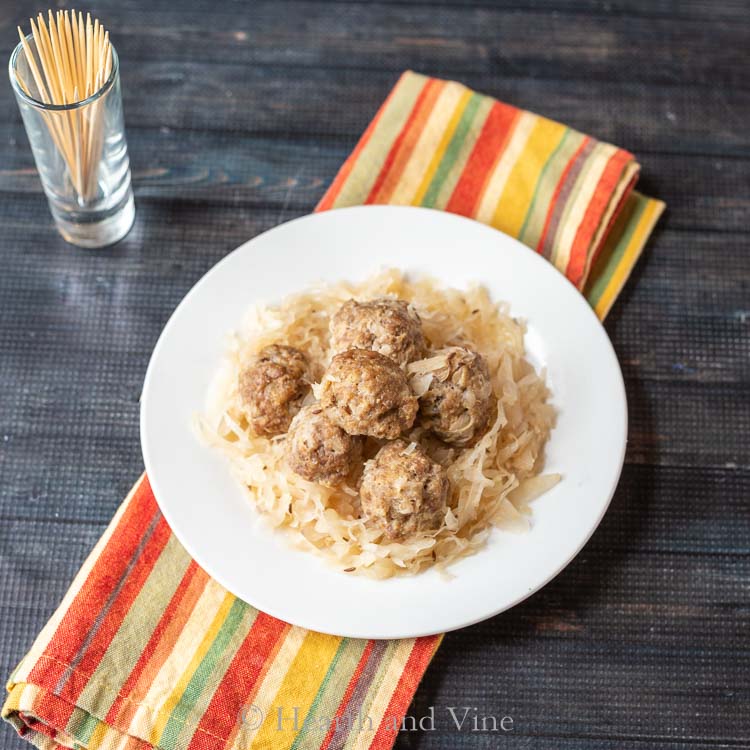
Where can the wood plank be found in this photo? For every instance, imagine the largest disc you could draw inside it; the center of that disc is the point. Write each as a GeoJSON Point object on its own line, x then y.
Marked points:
{"type": "Point", "coordinates": [479, 40]}
{"type": "Point", "coordinates": [676, 11]}
{"type": "Point", "coordinates": [299, 101]}
{"type": "Point", "coordinates": [702, 192]}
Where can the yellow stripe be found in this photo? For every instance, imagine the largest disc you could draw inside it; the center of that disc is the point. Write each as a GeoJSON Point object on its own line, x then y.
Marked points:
{"type": "Point", "coordinates": [444, 141]}
{"type": "Point", "coordinates": [499, 177]}
{"type": "Point", "coordinates": [449, 183]}
{"type": "Point", "coordinates": [163, 716]}
{"type": "Point", "coordinates": [638, 239]}
{"type": "Point", "coordinates": [427, 143]}
{"type": "Point", "coordinates": [271, 684]}
{"type": "Point", "coordinates": [515, 200]}
{"type": "Point", "coordinates": [583, 191]}
{"type": "Point", "coordinates": [177, 660]}
{"type": "Point", "coordinates": [13, 701]}
{"type": "Point", "coordinates": [299, 688]}
{"type": "Point", "coordinates": [97, 736]}
{"type": "Point", "coordinates": [373, 155]}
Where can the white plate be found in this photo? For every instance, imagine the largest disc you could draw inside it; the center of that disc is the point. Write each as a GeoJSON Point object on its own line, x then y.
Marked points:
{"type": "Point", "coordinates": [213, 517]}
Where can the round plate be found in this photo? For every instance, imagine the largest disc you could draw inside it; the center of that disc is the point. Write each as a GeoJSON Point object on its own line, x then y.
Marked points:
{"type": "Point", "coordinates": [212, 515]}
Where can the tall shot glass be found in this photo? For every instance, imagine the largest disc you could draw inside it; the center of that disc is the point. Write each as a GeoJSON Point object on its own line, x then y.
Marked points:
{"type": "Point", "coordinates": [81, 154]}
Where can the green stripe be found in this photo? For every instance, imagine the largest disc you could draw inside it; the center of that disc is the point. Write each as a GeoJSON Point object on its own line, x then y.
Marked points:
{"type": "Point", "coordinates": [328, 698]}
{"type": "Point", "coordinates": [136, 629]}
{"type": "Point", "coordinates": [184, 708]}
{"type": "Point", "coordinates": [614, 248]}
{"type": "Point", "coordinates": [452, 151]}
{"type": "Point", "coordinates": [219, 672]}
{"type": "Point", "coordinates": [372, 157]}
{"type": "Point", "coordinates": [538, 190]}
{"type": "Point", "coordinates": [464, 153]}
{"type": "Point", "coordinates": [81, 726]}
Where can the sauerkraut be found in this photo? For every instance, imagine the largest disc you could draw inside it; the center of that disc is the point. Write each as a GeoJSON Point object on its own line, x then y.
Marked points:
{"type": "Point", "coordinates": [491, 482]}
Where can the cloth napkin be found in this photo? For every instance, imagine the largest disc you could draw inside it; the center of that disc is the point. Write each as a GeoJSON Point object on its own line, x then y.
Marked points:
{"type": "Point", "coordinates": [146, 650]}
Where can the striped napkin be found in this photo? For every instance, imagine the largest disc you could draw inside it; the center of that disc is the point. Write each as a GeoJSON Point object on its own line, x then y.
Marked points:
{"type": "Point", "coordinates": [146, 650]}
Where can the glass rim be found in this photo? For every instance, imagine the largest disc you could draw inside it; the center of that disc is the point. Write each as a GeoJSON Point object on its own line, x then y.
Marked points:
{"type": "Point", "coordinates": [30, 100]}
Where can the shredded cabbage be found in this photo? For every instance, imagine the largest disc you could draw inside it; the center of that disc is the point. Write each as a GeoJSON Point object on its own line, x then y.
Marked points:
{"type": "Point", "coordinates": [491, 482]}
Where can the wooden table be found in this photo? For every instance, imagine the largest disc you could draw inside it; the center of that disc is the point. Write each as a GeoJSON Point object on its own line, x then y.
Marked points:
{"type": "Point", "coordinates": [238, 116]}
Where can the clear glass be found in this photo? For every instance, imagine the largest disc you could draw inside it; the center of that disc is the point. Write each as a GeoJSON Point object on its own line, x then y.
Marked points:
{"type": "Point", "coordinates": [81, 154]}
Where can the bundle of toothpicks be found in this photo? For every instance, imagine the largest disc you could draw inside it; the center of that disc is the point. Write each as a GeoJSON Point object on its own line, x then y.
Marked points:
{"type": "Point", "coordinates": [71, 60]}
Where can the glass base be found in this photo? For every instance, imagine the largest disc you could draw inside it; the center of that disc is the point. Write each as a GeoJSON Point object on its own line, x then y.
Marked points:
{"type": "Point", "coordinates": [97, 232]}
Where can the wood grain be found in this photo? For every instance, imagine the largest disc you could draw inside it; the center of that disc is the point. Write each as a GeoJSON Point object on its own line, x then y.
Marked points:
{"type": "Point", "coordinates": [643, 642]}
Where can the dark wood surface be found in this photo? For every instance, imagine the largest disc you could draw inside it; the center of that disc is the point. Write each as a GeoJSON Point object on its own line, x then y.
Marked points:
{"type": "Point", "coordinates": [238, 115]}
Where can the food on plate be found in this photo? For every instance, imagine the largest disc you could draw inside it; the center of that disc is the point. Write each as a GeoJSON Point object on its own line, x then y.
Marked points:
{"type": "Point", "coordinates": [457, 402]}
{"type": "Point", "coordinates": [403, 491]}
{"type": "Point", "coordinates": [367, 393]}
{"type": "Point", "coordinates": [318, 449]}
{"type": "Point", "coordinates": [387, 425]}
{"type": "Point", "coordinates": [272, 387]}
{"type": "Point", "coordinates": [391, 327]}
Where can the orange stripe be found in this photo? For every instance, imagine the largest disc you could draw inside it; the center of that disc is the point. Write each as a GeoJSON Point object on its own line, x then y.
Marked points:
{"type": "Point", "coordinates": [50, 714]}
{"type": "Point", "coordinates": [327, 201]}
{"type": "Point", "coordinates": [119, 608]}
{"type": "Point", "coordinates": [489, 148]}
{"type": "Point", "coordinates": [159, 645]}
{"type": "Point", "coordinates": [579, 253]}
{"type": "Point", "coordinates": [403, 145]}
{"type": "Point", "coordinates": [423, 651]}
{"type": "Point", "coordinates": [556, 194]}
{"type": "Point", "coordinates": [612, 219]}
{"type": "Point", "coordinates": [91, 598]}
{"type": "Point", "coordinates": [165, 644]}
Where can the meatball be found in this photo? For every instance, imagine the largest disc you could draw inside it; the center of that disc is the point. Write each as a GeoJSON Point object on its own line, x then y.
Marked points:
{"type": "Point", "coordinates": [366, 393]}
{"type": "Point", "coordinates": [272, 388]}
{"type": "Point", "coordinates": [458, 402]}
{"type": "Point", "coordinates": [318, 450]}
{"type": "Point", "coordinates": [403, 491]}
{"type": "Point", "coordinates": [388, 326]}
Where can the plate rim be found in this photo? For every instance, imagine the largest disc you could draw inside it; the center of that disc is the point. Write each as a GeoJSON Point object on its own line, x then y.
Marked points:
{"type": "Point", "coordinates": [209, 567]}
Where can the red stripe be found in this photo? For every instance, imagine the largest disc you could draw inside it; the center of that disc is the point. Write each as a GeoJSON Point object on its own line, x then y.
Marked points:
{"type": "Point", "coordinates": [579, 253]}
{"type": "Point", "coordinates": [424, 96]}
{"type": "Point", "coordinates": [173, 618]}
{"type": "Point", "coordinates": [487, 151]}
{"type": "Point", "coordinates": [556, 194]}
{"type": "Point", "coordinates": [331, 194]}
{"type": "Point", "coordinates": [237, 683]}
{"type": "Point", "coordinates": [612, 219]}
{"type": "Point", "coordinates": [95, 591]}
{"type": "Point", "coordinates": [49, 711]}
{"type": "Point", "coordinates": [348, 693]}
{"type": "Point", "coordinates": [118, 610]}
{"type": "Point", "coordinates": [423, 650]}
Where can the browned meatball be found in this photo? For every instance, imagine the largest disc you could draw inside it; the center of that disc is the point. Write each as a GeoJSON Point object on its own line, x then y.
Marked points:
{"type": "Point", "coordinates": [388, 326]}
{"type": "Point", "coordinates": [403, 491]}
{"type": "Point", "coordinates": [458, 403]}
{"type": "Point", "coordinates": [366, 393]}
{"type": "Point", "coordinates": [318, 450]}
{"type": "Point", "coordinates": [272, 388]}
